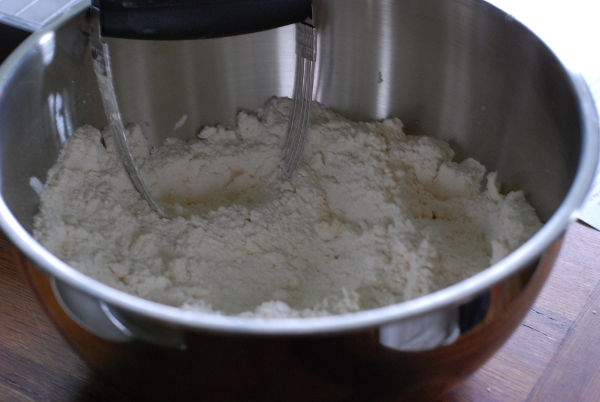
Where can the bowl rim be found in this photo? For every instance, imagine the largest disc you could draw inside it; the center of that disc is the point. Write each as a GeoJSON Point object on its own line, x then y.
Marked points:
{"type": "Point", "coordinates": [453, 295]}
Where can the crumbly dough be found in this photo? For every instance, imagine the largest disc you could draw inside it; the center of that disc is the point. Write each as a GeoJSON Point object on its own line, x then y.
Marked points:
{"type": "Point", "coordinates": [374, 217]}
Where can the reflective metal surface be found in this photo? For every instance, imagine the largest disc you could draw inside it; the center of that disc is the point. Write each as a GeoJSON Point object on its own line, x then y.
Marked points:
{"type": "Point", "coordinates": [103, 70]}
{"type": "Point", "coordinates": [459, 70]}
{"type": "Point", "coordinates": [295, 137]}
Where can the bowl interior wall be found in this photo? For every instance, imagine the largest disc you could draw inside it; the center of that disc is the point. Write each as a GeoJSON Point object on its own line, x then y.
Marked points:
{"type": "Point", "coordinates": [458, 70]}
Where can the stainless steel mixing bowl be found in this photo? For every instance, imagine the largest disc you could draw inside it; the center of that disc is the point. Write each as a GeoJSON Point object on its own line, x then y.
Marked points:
{"type": "Point", "coordinates": [460, 70]}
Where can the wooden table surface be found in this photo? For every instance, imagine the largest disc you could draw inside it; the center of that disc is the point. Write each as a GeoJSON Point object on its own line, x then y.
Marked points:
{"type": "Point", "coordinates": [553, 356]}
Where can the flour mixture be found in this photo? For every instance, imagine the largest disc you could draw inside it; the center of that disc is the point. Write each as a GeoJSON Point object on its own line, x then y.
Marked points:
{"type": "Point", "coordinates": [374, 217]}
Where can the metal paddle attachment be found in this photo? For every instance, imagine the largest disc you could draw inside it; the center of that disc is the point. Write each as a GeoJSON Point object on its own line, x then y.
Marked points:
{"type": "Point", "coordinates": [102, 68]}
{"type": "Point", "coordinates": [198, 19]}
{"type": "Point", "coordinates": [306, 55]}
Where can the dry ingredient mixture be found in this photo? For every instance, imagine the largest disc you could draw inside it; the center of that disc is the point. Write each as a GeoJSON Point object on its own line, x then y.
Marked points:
{"type": "Point", "coordinates": [374, 217]}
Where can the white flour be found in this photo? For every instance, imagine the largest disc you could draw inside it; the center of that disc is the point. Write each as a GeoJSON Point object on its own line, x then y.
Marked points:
{"type": "Point", "coordinates": [374, 217]}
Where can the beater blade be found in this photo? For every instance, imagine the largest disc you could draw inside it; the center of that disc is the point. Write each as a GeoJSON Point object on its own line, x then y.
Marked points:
{"type": "Point", "coordinates": [102, 68]}
{"type": "Point", "coordinates": [306, 54]}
